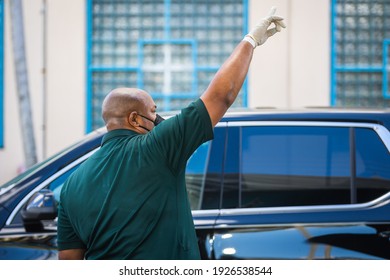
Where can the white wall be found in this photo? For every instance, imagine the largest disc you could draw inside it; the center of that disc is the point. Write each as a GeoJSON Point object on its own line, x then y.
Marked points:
{"type": "Point", "coordinates": [65, 83]}
{"type": "Point", "coordinates": [12, 156]}
{"type": "Point", "coordinates": [292, 69]}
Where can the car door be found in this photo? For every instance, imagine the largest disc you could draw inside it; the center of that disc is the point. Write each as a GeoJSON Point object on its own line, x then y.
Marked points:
{"type": "Point", "coordinates": [304, 190]}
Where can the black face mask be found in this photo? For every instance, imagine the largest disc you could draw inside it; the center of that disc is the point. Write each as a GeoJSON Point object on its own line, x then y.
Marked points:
{"type": "Point", "coordinates": [156, 122]}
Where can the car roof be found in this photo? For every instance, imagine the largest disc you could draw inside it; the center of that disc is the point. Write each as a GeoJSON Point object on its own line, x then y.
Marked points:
{"type": "Point", "coordinates": [380, 116]}
{"type": "Point", "coordinates": [323, 114]}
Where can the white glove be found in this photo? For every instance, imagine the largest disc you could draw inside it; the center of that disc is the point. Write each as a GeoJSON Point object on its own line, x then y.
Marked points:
{"type": "Point", "coordinates": [261, 32]}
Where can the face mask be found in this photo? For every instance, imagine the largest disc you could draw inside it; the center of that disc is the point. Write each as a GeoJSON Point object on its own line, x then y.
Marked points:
{"type": "Point", "coordinates": [156, 122]}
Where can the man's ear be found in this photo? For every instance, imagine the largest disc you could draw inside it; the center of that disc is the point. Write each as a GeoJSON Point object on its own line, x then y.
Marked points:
{"type": "Point", "coordinates": [132, 119]}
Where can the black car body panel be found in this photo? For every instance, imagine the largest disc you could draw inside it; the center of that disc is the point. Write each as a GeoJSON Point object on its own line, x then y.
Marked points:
{"type": "Point", "coordinates": [16, 244]}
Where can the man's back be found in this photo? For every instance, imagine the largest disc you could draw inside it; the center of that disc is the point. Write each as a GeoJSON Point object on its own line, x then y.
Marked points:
{"type": "Point", "coordinates": [129, 201]}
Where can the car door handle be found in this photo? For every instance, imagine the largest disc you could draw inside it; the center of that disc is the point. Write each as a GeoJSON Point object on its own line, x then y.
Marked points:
{"type": "Point", "coordinates": [385, 234]}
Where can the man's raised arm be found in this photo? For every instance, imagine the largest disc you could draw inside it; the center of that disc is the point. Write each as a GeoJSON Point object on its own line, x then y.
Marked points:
{"type": "Point", "coordinates": [226, 84]}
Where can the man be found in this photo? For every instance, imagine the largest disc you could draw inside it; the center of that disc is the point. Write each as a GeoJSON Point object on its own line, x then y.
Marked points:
{"type": "Point", "coordinates": [128, 200]}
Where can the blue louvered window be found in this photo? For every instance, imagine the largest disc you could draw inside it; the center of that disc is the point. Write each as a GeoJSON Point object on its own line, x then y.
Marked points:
{"type": "Point", "coordinates": [170, 48]}
{"type": "Point", "coordinates": [360, 53]}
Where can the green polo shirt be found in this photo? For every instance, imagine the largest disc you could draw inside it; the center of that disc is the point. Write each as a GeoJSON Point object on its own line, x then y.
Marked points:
{"type": "Point", "coordinates": [129, 199]}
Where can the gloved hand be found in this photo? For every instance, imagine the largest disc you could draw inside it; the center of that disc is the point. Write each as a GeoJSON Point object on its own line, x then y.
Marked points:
{"type": "Point", "coordinates": [261, 32]}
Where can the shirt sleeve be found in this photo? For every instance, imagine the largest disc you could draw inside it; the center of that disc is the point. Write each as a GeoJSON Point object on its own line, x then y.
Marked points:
{"type": "Point", "coordinates": [66, 236]}
{"type": "Point", "coordinates": [178, 137]}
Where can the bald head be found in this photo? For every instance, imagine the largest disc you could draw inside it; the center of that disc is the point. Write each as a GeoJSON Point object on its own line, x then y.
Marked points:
{"type": "Point", "coordinates": [121, 102]}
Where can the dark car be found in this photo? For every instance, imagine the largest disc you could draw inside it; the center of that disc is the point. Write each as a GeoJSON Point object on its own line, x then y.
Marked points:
{"type": "Point", "coordinates": [308, 184]}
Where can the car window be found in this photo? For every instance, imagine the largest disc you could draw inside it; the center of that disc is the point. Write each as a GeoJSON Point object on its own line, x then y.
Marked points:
{"type": "Point", "coordinates": [231, 182]}
{"type": "Point", "coordinates": [204, 173]}
{"type": "Point", "coordinates": [56, 185]}
{"type": "Point", "coordinates": [292, 165]}
{"type": "Point", "coordinates": [195, 174]}
{"type": "Point", "coordinates": [372, 166]}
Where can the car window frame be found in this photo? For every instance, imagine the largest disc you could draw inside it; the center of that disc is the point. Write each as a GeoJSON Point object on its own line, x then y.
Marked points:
{"type": "Point", "coordinates": [382, 132]}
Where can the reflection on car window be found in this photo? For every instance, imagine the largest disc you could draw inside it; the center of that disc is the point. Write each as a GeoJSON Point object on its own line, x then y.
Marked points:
{"type": "Point", "coordinates": [372, 166]}
{"type": "Point", "coordinates": [195, 175]}
{"type": "Point", "coordinates": [231, 181]}
{"type": "Point", "coordinates": [56, 185]}
{"type": "Point", "coordinates": [204, 173]}
{"type": "Point", "coordinates": [289, 166]}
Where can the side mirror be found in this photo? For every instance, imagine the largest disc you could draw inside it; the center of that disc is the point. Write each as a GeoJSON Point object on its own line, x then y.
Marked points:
{"type": "Point", "coordinates": [41, 206]}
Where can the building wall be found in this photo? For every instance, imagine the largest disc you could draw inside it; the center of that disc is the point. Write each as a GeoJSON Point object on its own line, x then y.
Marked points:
{"type": "Point", "coordinates": [11, 155]}
{"type": "Point", "coordinates": [64, 83]}
{"type": "Point", "coordinates": [291, 70]}
{"type": "Point", "coordinates": [66, 62]}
